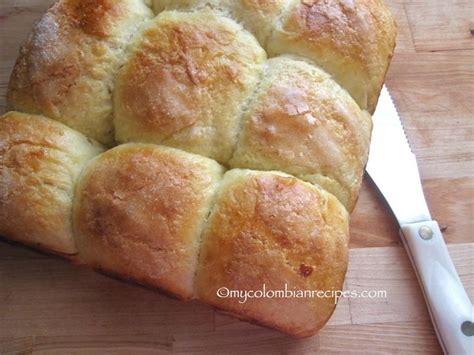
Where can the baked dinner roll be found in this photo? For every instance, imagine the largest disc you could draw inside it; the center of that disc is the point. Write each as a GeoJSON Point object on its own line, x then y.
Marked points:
{"type": "Point", "coordinates": [139, 212]}
{"type": "Point", "coordinates": [268, 230]}
{"type": "Point", "coordinates": [186, 82]}
{"type": "Point", "coordinates": [67, 66]}
{"type": "Point", "coordinates": [353, 40]}
{"type": "Point", "coordinates": [257, 16]}
{"type": "Point", "coordinates": [40, 160]}
{"type": "Point", "coordinates": [301, 122]}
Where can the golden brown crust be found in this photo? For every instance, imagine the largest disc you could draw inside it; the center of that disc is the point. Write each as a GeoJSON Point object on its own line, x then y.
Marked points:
{"type": "Point", "coordinates": [269, 228]}
{"type": "Point", "coordinates": [138, 213]}
{"type": "Point", "coordinates": [185, 83]}
{"type": "Point", "coordinates": [40, 160]}
{"type": "Point", "coordinates": [353, 40]}
{"type": "Point", "coordinates": [302, 123]}
{"type": "Point", "coordinates": [94, 18]}
{"type": "Point", "coordinates": [66, 67]}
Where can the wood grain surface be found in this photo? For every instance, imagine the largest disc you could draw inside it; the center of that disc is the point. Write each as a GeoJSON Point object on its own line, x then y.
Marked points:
{"type": "Point", "coordinates": [50, 307]}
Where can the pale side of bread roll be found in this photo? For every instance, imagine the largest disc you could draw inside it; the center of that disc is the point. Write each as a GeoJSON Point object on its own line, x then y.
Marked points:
{"type": "Point", "coordinates": [40, 160]}
{"type": "Point", "coordinates": [257, 16]}
{"type": "Point", "coordinates": [301, 122]}
{"type": "Point", "coordinates": [353, 40]}
{"type": "Point", "coordinates": [67, 66]}
{"type": "Point", "coordinates": [186, 82]}
{"type": "Point", "coordinates": [271, 229]}
{"type": "Point", "coordinates": [139, 212]}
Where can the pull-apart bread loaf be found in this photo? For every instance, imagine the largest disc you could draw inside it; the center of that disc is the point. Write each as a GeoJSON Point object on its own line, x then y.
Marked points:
{"type": "Point", "coordinates": [190, 89]}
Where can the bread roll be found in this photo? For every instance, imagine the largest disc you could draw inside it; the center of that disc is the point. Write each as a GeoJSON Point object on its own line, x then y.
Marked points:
{"type": "Point", "coordinates": [353, 40]}
{"type": "Point", "coordinates": [271, 229]}
{"type": "Point", "coordinates": [257, 16]}
{"type": "Point", "coordinates": [139, 212]}
{"type": "Point", "coordinates": [301, 122]}
{"type": "Point", "coordinates": [186, 82]}
{"type": "Point", "coordinates": [40, 160]}
{"type": "Point", "coordinates": [67, 66]}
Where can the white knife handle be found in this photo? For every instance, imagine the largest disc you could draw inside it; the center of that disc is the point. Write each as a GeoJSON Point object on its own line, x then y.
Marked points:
{"type": "Point", "coordinates": [448, 303]}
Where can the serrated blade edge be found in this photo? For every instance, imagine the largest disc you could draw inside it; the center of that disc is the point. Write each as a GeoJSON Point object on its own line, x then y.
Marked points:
{"type": "Point", "coordinates": [387, 120]}
{"type": "Point", "coordinates": [392, 165]}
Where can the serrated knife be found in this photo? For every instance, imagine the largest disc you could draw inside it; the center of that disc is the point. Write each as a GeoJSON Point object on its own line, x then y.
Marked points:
{"type": "Point", "coordinates": [393, 167]}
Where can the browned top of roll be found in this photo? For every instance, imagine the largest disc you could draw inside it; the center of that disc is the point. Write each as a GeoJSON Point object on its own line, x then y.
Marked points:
{"type": "Point", "coordinates": [353, 40]}
{"type": "Point", "coordinates": [301, 122]}
{"type": "Point", "coordinates": [273, 229]}
{"type": "Point", "coordinates": [139, 212]}
{"type": "Point", "coordinates": [66, 67]}
{"type": "Point", "coordinates": [186, 83]}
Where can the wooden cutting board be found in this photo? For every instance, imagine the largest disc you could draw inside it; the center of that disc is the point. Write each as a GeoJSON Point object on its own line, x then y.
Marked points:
{"type": "Point", "coordinates": [49, 306]}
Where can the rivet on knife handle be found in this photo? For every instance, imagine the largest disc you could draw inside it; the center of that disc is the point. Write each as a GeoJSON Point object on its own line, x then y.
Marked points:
{"type": "Point", "coordinates": [448, 302]}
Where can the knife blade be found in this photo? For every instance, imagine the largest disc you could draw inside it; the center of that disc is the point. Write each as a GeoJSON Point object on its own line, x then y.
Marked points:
{"type": "Point", "coordinates": [393, 167]}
